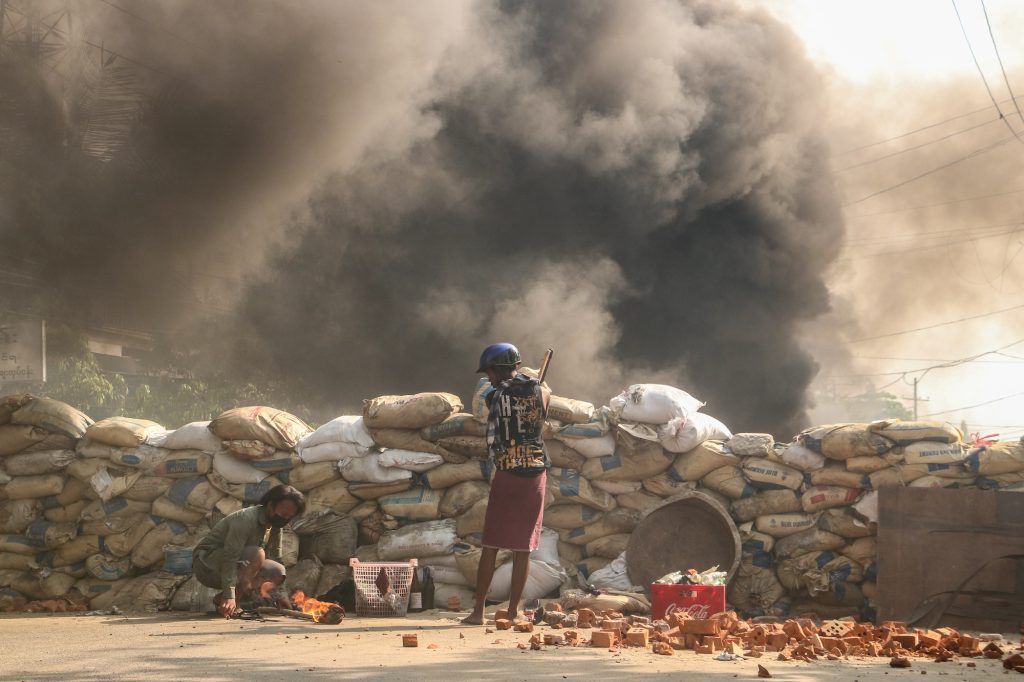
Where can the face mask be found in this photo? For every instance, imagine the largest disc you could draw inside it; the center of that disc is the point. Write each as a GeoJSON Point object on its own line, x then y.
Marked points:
{"type": "Point", "coordinates": [278, 521]}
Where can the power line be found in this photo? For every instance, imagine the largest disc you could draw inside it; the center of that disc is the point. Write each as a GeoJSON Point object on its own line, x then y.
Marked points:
{"type": "Point", "coordinates": [917, 249]}
{"type": "Point", "coordinates": [942, 365]}
{"type": "Point", "coordinates": [982, 73]}
{"type": "Point", "coordinates": [971, 407]}
{"type": "Point", "coordinates": [932, 234]}
{"type": "Point", "coordinates": [971, 155]}
{"type": "Point", "coordinates": [999, 57]}
{"type": "Point", "coordinates": [153, 25]}
{"type": "Point", "coordinates": [918, 146]}
{"type": "Point", "coordinates": [938, 203]}
{"type": "Point", "coordinates": [939, 324]}
{"type": "Point", "coordinates": [129, 59]}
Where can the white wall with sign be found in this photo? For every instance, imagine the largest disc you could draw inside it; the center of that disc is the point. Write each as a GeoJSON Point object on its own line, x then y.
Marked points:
{"type": "Point", "coordinates": [22, 349]}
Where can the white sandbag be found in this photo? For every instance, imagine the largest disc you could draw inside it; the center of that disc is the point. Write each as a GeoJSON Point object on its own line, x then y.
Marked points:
{"type": "Point", "coordinates": [453, 596]}
{"type": "Point", "coordinates": [417, 540]}
{"type": "Point", "coordinates": [410, 411]}
{"type": "Point", "coordinates": [614, 576]}
{"type": "Point", "coordinates": [191, 436]}
{"type": "Point", "coordinates": [653, 404]}
{"type": "Point", "coordinates": [766, 474]}
{"type": "Point", "coordinates": [409, 460]}
{"type": "Point", "coordinates": [235, 470]}
{"type": "Point", "coordinates": [36, 463]}
{"type": "Point", "coordinates": [751, 444]}
{"type": "Point", "coordinates": [332, 452]}
{"type": "Point", "coordinates": [906, 432]}
{"type": "Point", "coordinates": [449, 576]}
{"type": "Point", "coordinates": [802, 458]}
{"type": "Point", "coordinates": [122, 432]}
{"type": "Point", "coordinates": [544, 579]}
{"type": "Point", "coordinates": [370, 470]}
{"type": "Point", "coordinates": [592, 448]}
{"type": "Point", "coordinates": [344, 429]}
{"type": "Point", "coordinates": [934, 482]}
{"type": "Point", "coordinates": [867, 506]}
{"type": "Point", "coordinates": [547, 547]}
{"type": "Point", "coordinates": [683, 434]}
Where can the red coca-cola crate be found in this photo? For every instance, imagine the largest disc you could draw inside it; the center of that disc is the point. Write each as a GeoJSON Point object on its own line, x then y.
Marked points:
{"type": "Point", "coordinates": [700, 601]}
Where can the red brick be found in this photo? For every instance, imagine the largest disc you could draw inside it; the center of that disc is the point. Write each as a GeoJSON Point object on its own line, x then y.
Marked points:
{"type": "Point", "coordinates": [907, 641]}
{"type": "Point", "coordinates": [410, 640]}
{"type": "Point", "coordinates": [700, 627]}
{"type": "Point", "coordinates": [637, 637]}
{"type": "Point", "coordinates": [524, 626]}
{"type": "Point", "coordinates": [604, 639]}
{"type": "Point", "coordinates": [503, 624]}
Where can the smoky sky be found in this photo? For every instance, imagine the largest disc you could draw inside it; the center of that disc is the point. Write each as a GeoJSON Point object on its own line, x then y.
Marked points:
{"type": "Point", "coordinates": [383, 189]}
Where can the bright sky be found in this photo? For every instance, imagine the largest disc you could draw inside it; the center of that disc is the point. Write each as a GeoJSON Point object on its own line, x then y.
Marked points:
{"type": "Point", "coordinates": [885, 43]}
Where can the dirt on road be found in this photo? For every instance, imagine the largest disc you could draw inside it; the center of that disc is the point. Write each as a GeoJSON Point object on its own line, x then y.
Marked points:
{"type": "Point", "coordinates": [186, 646]}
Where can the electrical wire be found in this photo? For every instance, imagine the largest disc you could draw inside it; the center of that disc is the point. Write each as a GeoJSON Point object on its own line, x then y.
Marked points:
{"type": "Point", "coordinates": [939, 324]}
{"type": "Point", "coordinates": [915, 147]}
{"type": "Point", "coordinates": [999, 57]}
{"type": "Point", "coordinates": [917, 249]}
{"type": "Point", "coordinates": [971, 407]}
{"type": "Point", "coordinates": [941, 365]}
{"type": "Point", "coordinates": [970, 155]}
{"type": "Point", "coordinates": [938, 203]}
{"type": "Point", "coordinates": [982, 73]}
{"type": "Point", "coordinates": [153, 25]}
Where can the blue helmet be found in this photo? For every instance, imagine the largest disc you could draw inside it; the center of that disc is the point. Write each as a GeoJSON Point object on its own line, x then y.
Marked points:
{"type": "Point", "coordinates": [499, 354]}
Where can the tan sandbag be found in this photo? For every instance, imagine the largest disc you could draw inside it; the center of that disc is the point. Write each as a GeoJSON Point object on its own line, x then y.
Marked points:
{"type": "Point", "coordinates": [563, 456]}
{"type": "Point", "coordinates": [279, 462]}
{"type": "Point", "coordinates": [334, 496]}
{"type": "Point", "coordinates": [54, 416]}
{"type": "Point", "coordinates": [751, 444]}
{"type": "Point", "coordinates": [617, 487]}
{"type": "Point", "coordinates": [841, 522]}
{"type": "Point", "coordinates": [328, 536]}
{"type": "Point", "coordinates": [53, 441]}
{"type": "Point", "coordinates": [615, 521]}
{"type": "Point", "coordinates": [122, 544]}
{"type": "Point", "coordinates": [468, 559]}
{"type": "Point", "coordinates": [85, 469]}
{"type": "Point", "coordinates": [842, 441]}
{"type": "Point", "coordinates": [840, 595]}
{"type": "Point", "coordinates": [73, 551]}
{"type": "Point", "coordinates": [474, 447]}
{"type": "Point", "coordinates": [1003, 457]}
{"type": "Point", "coordinates": [934, 482]}
{"type": "Point", "coordinates": [472, 520]}
{"type": "Point", "coordinates": [820, 497]}
{"type": "Point", "coordinates": [147, 593]}
{"type": "Point", "coordinates": [163, 507]}
{"type": "Point", "coordinates": [755, 588]}
{"type": "Point", "coordinates": [97, 510]}
{"type": "Point", "coordinates": [122, 432]}
{"type": "Point", "coordinates": [149, 550]}
{"type": "Point", "coordinates": [569, 411]}
{"type": "Point", "coordinates": [766, 474]}
{"type": "Point", "coordinates": [9, 404]}
{"type": "Point", "coordinates": [90, 449]}
{"type": "Point", "coordinates": [364, 509]}
{"type": "Point", "coordinates": [754, 541]}
{"type": "Point", "coordinates": [416, 504]}
{"type": "Point", "coordinates": [109, 482]}
{"type": "Point", "coordinates": [781, 525]}
{"type": "Point", "coordinates": [702, 460]}
{"type": "Point", "coordinates": [182, 464]}
{"type": "Point", "coordinates": [764, 503]}
{"type": "Point", "coordinates": [728, 481]}
{"type": "Point", "coordinates": [249, 493]}
{"type": "Point", "coordinates": [44, 585]}
{"type": "Point", "coordinates": [461, 424]}
{"type": "Point", "coordinates": [29, 487]}
{"type": "Point", "coordinates": [250, 449]}
{"type": "Point", "coordinates": [862, 550]}
{"type": "Point", "coordinates": [37, 463]}
{"type": "Point", "coordinates": [609, 546]}
{"type": "Point", "coordinates": [896, 476]}
{"type": "Point", "coordinates": [408, 439]}
{"type": "Point", "coordinates": [16, 515]}
{"type": "Point", "coordinates": [448, 475]}
{"type": "Point", "coordinates": [17, 544]}
{"type": "Point", "coordinates": [410, 411]}
{"type": "Point", "coordinates": [196, 494]}
{"type": "Point", "coordinates": [956, 472]}
{"type": "Point", "coordinates": [926, 452]}
{"type": "Point", "coordinates": [272, 426]}
{"type": "Point", "coordinates": [461, 496]}
{"type": "Point", "coordinates": [634, 460]}
{"type": "Point", "coordinates": [835, 473]}
{"type": "Point", "coordinates": [375, 491]}
{"type": "Point", "coordinates": [569, 516]}
{"type": "Point", "coordinates": [571, 553]}
{"type": "Point", "coordinates": [68, 514]}
{"type": "Point", "coordinates": [111, 525]}
{"type": "Point", "coordinates": [568, 486]}
{"type": "Point", "coordinates": [309, 476]}
{"type": "Point", "coordinates": [667, 484]}
{"type": "Point", "coordinates": [640, 500]}
{"type": "Point", "coordinates": [107, 567]}
{"type": "Point", "coordinates": [10, 561]}
{"type": "Point", "coordinates": [147, 488]}
{"type": "Point", "coordinates": [811, 540]}
{"type": "Point", "coordinates": [16, 437]}
{"type": "Point", "coordinates": [870, 464]}
{"type": "Point", "coordinates": [906, 432]}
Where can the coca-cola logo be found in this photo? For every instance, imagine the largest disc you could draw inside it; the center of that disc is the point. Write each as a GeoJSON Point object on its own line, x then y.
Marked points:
{"type": "Point", "coordinates": [697, 611]}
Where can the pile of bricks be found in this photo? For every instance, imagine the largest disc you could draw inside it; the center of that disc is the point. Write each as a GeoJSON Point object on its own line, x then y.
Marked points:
{"type": "Point", "coordinates": [801, 639]}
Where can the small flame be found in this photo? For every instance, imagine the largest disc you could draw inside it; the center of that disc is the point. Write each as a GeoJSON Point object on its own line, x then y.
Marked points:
{"type": "Point", "coordinates": [313, 607]}
{"type": "Point", "coordinates": [265, 589]}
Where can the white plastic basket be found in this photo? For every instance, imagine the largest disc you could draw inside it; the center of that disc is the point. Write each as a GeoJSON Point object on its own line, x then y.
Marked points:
{"type": "Point", "coordinates": [369, 601]}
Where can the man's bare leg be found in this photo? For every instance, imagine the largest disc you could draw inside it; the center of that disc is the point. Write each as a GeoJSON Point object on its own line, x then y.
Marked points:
{"type": "Point", "coordinates": [484, 574]}
{"type": "Point", "coordinates": [520, 572]}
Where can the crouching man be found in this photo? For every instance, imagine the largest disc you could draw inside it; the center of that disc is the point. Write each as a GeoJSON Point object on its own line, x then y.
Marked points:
{"type": "Point", "coordinates": [233, 555]}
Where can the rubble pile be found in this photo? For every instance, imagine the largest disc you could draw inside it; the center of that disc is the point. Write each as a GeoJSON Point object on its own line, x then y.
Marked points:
{"type": "Point", "coordinates": [102, 515]}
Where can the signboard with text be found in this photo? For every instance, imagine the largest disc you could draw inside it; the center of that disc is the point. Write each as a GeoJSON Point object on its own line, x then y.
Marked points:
{"type": "Point", "coordinates": [22, 349]}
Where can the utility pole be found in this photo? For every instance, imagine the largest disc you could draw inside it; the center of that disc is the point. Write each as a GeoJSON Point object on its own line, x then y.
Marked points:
{"type": "Point", "coordinates": [915, 398]}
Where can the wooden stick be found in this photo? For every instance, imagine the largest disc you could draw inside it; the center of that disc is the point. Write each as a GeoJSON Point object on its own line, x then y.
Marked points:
{"type": "Point", "coordinates": [274, 611]}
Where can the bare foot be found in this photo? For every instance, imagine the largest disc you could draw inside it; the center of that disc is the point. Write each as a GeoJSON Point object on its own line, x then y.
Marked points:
{"type": "Point", "coordinates": [473, 619]}
{"type": "Point", "coordinates": [512, 616]}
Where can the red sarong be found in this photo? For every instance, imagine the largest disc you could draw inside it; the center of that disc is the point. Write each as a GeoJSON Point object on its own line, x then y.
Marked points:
{"type": "Point", "coordinates": [515, 512]}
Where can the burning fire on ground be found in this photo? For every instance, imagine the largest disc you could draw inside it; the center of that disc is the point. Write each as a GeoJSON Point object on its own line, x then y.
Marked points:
{"type": "Point", "coordinates": [321, 611]}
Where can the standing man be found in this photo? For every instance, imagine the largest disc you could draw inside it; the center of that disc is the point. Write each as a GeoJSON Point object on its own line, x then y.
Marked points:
{"type": "Point", "coordinates": [515, 509]}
